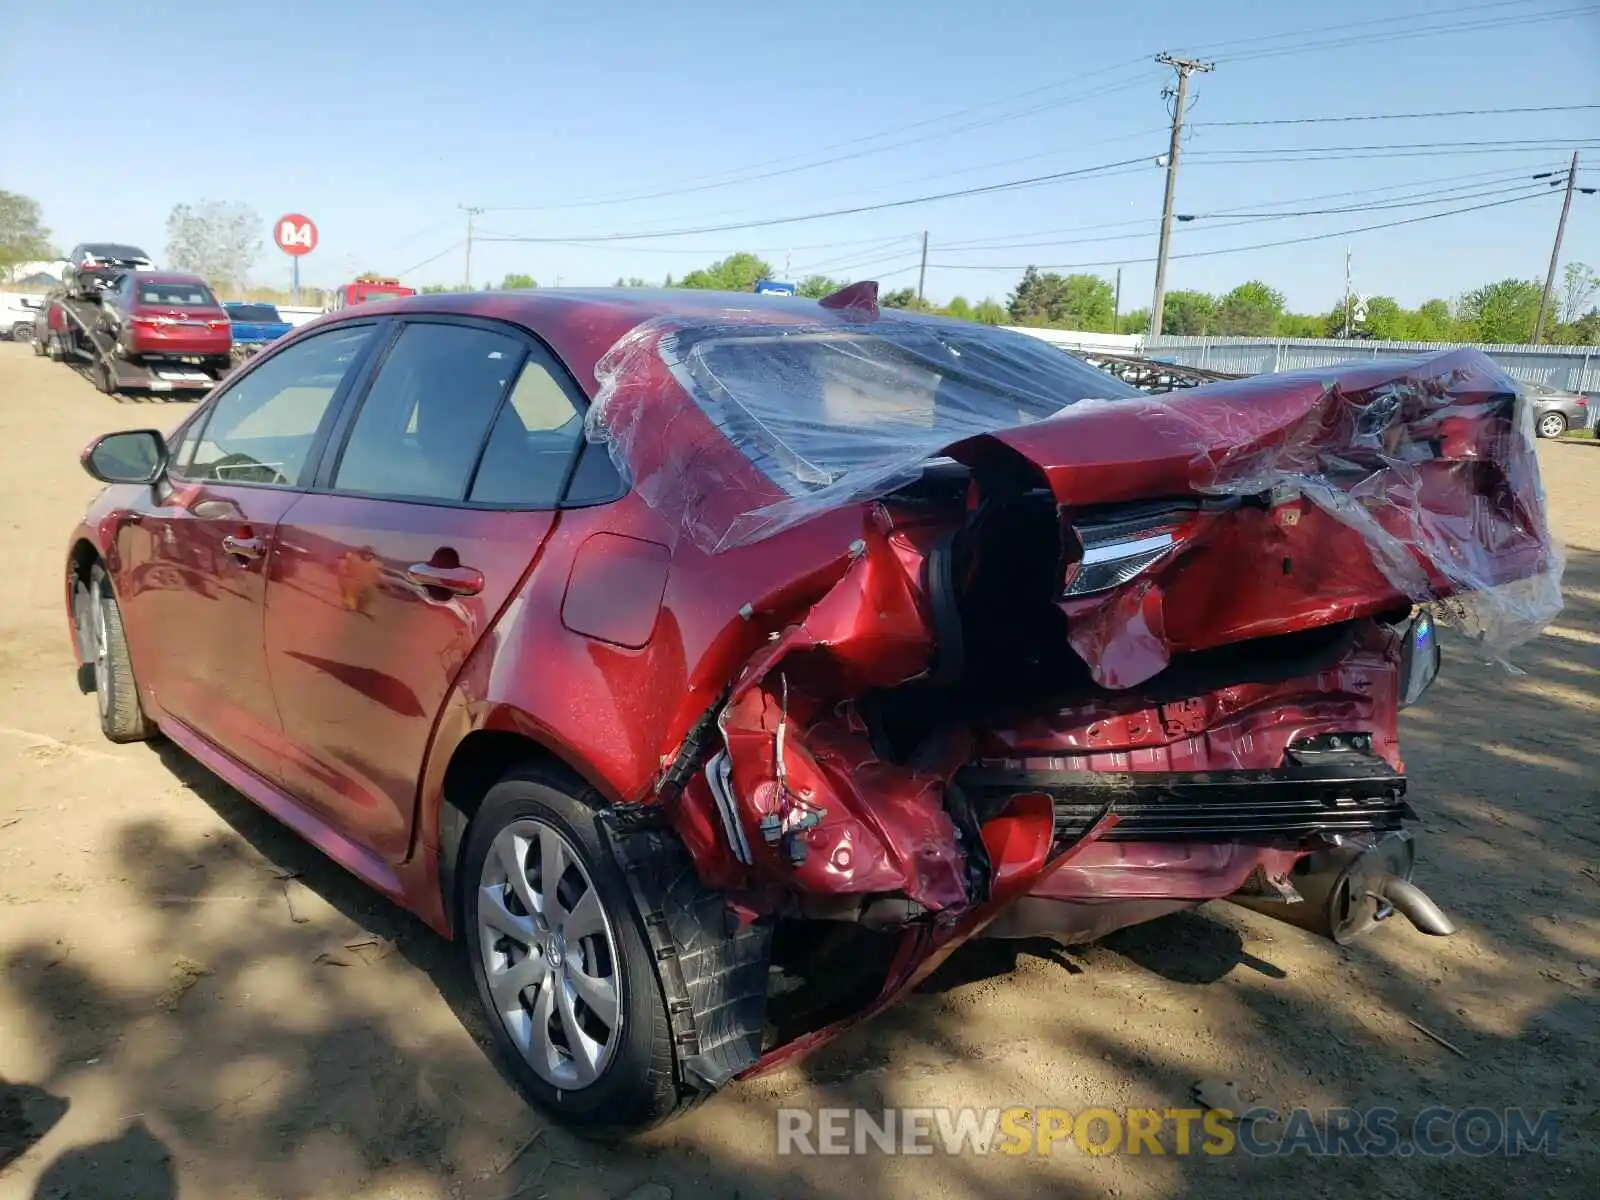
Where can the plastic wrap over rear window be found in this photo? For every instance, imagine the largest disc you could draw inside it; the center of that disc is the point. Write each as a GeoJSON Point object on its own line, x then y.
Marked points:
{"type": "Point", "coordinates": [827, 413]}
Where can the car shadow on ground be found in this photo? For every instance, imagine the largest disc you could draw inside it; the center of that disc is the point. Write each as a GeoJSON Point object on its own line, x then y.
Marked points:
{"type": "Point", "coordinates": [299, 1052]}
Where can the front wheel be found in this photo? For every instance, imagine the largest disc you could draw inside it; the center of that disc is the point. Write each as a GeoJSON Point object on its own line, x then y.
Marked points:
{"type": "Point", "coordinates": [1552, 425]}
{"type": "Point", "coordinates": [560, 960]}
{"type": "Point", "coordinates": [104, 643]}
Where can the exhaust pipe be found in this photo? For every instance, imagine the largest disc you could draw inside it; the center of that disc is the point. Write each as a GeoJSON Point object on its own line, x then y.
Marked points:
{"type": "Point", "coordinates": [1345, 890]}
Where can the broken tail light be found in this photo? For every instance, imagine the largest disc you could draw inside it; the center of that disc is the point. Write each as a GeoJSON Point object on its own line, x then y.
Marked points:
{"type": "Point", "coordinates": [1121, 545]}
{"type": "Point", "coordinates": [1419, 658]}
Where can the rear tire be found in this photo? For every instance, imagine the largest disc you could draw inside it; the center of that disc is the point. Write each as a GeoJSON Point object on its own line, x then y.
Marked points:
{"type": "Point", "coordinates": [529, 819]}
{"type": "Point", "coordinates": [1552, 425]}
{"type": "Point", "coordinates": [122, 717]}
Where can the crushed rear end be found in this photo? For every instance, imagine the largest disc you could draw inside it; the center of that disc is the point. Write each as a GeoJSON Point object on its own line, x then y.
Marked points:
{"type": "Point", "coordinates": [1080, 656]}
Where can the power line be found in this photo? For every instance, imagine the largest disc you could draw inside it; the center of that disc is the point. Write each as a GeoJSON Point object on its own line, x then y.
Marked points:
{"type": "Point", "coordinates": [1260, 159]}
{"type": "Point", "coordinates": [1009, 185]}
{"type": "Point", "coordinates": [1449, 196]}
{"type": "Point", "coordinates": [1477, 178]}
{"type": "Point", "coordinates": [1431, 146]}
{"type": "Point", "coordinates": [729, 179]}
{"type": "Point", "coordinates": [1414, 116]}
{"type": "Point", "coordinates": [1406, 34]}
{"type": "Point", "coordinates": [1295, 241]}
{"type": "Point", "coordinates": [1454, 10]}
{"type": "Point", "coordinates": [432, 258]}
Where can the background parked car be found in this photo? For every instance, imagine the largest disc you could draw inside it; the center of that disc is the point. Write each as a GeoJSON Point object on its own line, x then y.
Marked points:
{"type": "Point", "coordinates": [1555, 412]}
{"type": "Point", "coordinates": [94, 266]}
{"type": "Point", "coordinates": [167, 315]}
{"type": "Point", "coordinates": [17, 315]}
{"type": "Point", "coordinates": [254, 326]}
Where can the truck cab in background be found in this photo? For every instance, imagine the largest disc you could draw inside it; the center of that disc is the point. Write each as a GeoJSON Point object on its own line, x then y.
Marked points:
{"type": "Point", "coordinates": [366, 288]}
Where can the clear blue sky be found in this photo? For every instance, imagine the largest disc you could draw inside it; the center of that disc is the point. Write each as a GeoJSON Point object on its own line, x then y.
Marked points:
{"type": "Point", "coordinates": [380, 119]}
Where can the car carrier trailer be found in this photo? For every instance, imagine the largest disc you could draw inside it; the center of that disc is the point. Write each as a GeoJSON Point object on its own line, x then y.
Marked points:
{"type": "Point", "coordinates": [80, 339]}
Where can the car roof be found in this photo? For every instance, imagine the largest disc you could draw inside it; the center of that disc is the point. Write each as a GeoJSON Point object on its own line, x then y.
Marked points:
{"type": "Point", "coordinates": [167, 277]}
{"type": "Point", "coordinates": [581, 324]}
{"type": "Point", "coordinates": [113, 250]}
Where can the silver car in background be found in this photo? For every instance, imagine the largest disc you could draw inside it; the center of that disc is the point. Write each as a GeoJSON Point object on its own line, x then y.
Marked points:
{"type": "Point", "coordinates": [1555, 412]}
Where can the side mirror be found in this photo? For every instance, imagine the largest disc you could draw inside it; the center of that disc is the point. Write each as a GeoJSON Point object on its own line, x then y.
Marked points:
{"type": "Point", "coordinates": [135, 456]}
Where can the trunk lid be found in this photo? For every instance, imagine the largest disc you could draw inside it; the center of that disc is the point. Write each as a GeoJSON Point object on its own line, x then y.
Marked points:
{"type": "Point", "coordinates": [1270, 505]}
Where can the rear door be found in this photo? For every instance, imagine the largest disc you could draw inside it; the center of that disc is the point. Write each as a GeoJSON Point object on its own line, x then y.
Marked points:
{"type": "Point", "coordinates": [434, 500]}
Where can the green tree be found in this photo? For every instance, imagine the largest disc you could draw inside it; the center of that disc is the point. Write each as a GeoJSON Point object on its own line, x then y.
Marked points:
{"type": "Point", "coordinates": [1431, 322]}
{"type": "Point", "coordinates": [988, 312]}
{"type": "Point", "coordinates": [1137, 321]}
{"type": "Point", "coordinates": [1251, 309]}
{"type": "Point", "coordinates": [1083, 302]}
{"type": "Point", "coordinates": [736, 273]}
{"type": "Point", "coordinates": [522, 282]}
{"type": "Point", "coordinates": [815, 287]}
{"type": "Point", "coordinates": [1188, 314]}
{"type": "Point", "coordinates": [1502, 312]}
{"type": "Point", "coordinates": [633, 281]}
{"type": "Point", "coordinates": [1386, 320]}
{"type": "Point", "coordinates": [958, 308]}
{"type": "Point", "coordinates": [901, 298]}
{"type": "Point", "coordinates": [23, 237]}
{"type": "Point", "coordinates": [1299, 325]}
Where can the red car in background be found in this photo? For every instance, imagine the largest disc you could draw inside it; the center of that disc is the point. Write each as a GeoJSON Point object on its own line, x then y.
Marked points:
{"type": "Point", "coordinates": [168, 315]}
{"type": "Point", "coordinates": [714, 668]}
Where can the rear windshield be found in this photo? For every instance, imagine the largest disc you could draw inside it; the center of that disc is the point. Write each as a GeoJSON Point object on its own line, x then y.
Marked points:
{"type": "Point", "coordinates": [362, 297]}
{"type": "Point", "coordinates": [814, 408]}
{"type": "Point", "coordinates": [195, 295]}
{"type": "Point", "coordinates": [111, 250]}
{"type": "Point", "coordinates": [253, 312]}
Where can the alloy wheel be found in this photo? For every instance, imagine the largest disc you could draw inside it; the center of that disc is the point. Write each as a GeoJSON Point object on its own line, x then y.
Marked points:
{"type": "Point", "coordinates": [1552, 425]}
{"type": "Point", "coordinates": [549, 954]}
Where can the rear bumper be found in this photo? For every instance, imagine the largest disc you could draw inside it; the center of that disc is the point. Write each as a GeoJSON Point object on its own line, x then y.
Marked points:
{"type": "Point", "coordinates": [179, 342]}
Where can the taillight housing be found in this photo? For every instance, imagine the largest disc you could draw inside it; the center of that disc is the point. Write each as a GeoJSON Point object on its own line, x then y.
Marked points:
{"type": "Point", "coordinates": [1119, 546]}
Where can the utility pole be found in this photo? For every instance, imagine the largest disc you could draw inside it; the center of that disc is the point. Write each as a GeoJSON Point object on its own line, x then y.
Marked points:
{"type": "Point", "coordinates": [471, 213]}
{"type": "Point", "coordinates": [922, 271]}
{"type": "Point", "coordinates": [1185, 67]}
{"type": "Point", "coordinates": [1116, 305]}
{"type": "Point", "coordinates": [1347, 291]}
{"type": "Point", "coordinates": [1555, 252]}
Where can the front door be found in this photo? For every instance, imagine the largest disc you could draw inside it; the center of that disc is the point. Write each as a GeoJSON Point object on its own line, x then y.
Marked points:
{"type": "Point", "coordinates": [387, 576]}
{"type": "Point", "coordinates": [196, 582]}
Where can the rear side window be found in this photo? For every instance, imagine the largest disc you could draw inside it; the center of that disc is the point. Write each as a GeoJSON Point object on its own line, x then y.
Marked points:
{"type": "Point", "coordinates": [533, 441]}
{"type": "Point", "coordinates": [423, 423]}
{"type": "Point", "coordinates": [261, 428]}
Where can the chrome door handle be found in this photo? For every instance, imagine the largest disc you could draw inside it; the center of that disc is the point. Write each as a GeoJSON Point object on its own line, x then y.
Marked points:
{"type": "Point", "coordinates": [247, 548]}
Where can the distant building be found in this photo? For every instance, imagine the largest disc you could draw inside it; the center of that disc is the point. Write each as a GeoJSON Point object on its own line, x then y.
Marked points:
{"type": "Point", "coordinates": [38, 274]}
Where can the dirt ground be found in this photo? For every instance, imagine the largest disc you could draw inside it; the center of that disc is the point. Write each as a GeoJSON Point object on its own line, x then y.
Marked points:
{"type": "Point", "coordinates": [193, 1003]}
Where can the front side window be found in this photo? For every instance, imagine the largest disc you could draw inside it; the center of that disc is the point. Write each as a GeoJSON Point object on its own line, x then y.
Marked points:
{"type": "Point", "coordinates": [261, 428]}
{"type": "Point", "coordinates": [423, 423]}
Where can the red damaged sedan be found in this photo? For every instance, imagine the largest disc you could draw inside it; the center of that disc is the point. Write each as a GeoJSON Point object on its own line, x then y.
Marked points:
{"type": "Point", "coordinates": [713, 667]}
{"type": "Point", "coordinates": [168, 315]}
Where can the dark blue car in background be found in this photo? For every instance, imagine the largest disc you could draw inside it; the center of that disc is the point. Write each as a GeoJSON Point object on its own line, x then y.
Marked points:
{"type": "Point", "coordinates": [255, 326]}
